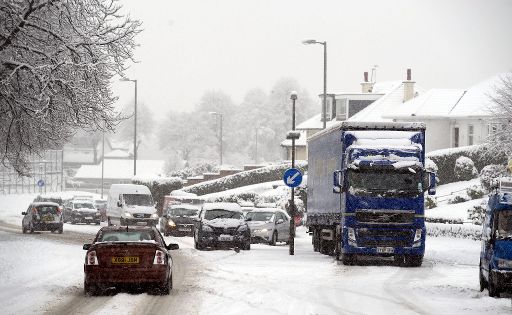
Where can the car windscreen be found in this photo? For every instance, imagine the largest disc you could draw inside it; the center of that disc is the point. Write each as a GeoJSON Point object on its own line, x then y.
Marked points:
{"type": "Point", "coordinates": [504, 224]}
{"type": "Point", "coordinates": [222, 214]}
{"type": "Point", "coordinates": [46, 210]}
{"type": "Point", "coordinates": [138, 199]}
{"type": "Point", "coordinates": [80, 205]}
{"type": "Point", "coordinates": [125, 236]}
{"type": "Point", "coordinates": [260, 216]}
{"type": "Point", "coordinates": [182, 212]}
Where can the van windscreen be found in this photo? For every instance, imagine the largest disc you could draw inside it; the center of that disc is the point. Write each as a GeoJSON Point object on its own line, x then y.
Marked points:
{"type": "Point", "coordinates": [138, 200]}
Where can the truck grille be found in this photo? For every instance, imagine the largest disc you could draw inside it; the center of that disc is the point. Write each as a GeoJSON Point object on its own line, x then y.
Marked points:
{"type": "Point", "coordinates": [379, 216]}
{"type": "Point", "coordinates": [384, 238]}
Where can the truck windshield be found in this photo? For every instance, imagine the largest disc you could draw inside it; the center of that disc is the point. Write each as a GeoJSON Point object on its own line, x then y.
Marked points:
{"type": "Point", "coordinates": [384, 183]}
{"type": "Point", "coordinates": [138, 200]}
{"type": "Point", "coordinates": [504, 226]}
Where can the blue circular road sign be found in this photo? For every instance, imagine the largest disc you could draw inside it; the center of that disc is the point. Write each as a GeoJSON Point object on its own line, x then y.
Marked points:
{"type": "Point", "coordinates": [292, 177]}
{"type": "Point", "coordinates": [40, 183]}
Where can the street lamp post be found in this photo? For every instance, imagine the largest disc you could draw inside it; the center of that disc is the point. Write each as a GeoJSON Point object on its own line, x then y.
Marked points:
{"type": "Point", "coordinates": [134, 128]}
{"type": "Point", "coordinates": [324, 101]}
{"type": "Point", "coordinates": [220, 138]}
{"type": "Point", "coordinates": [293, 97]}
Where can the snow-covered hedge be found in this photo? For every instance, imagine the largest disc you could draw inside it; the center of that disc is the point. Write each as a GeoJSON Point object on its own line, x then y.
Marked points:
{"type": "Point", "coordinates": [490, 172]}
{"type": "Point", "coordinates": [430, 202]}
{"type": "Point", "coordinates": [445, 160]}
{"type": "Point", "coordinates": [159, 186]}
{"type": "Point", "coordinates": [465, 169]}
{"type": "Point", "coordinates": [256, 176]}
{"type": "Point", "coordinates": [469, 231]}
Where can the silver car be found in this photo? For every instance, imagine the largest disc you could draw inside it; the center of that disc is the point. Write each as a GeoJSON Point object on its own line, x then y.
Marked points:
{"type": "Point", "coordinates": [269, 225]}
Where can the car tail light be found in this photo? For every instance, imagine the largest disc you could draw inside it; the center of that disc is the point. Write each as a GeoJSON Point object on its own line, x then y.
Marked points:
{"type": "Point", "coordinates": [92, 259]}
{"type": "Point", "coordinates": [159, 258]}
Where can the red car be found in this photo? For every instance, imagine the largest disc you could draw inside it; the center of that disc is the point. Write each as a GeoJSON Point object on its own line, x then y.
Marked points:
{"type": "Point", "coordinates": [128, 257]}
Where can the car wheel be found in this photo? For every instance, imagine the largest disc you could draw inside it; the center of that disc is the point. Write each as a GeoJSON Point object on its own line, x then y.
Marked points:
{"type": "Point", "coordinates": [483, 283]}
{"type": "Point", "coordinates": [60, 229]}
{"type": "Point", "coordinates": [247, 246]}
{"type": "Point", "coordinates": [31, 228]}
{"type": "Point", "coordinates": [91, 289]}
{"type": "Point", "coordinates": [167, 287]}
{"type": "Point", "coordinates": [491, 286]}
{"type": "Point", "coordinates": [199, 246]}
{"type": "Point", "coordinates": [109, 223]}
{"type": "Point", "coordinates": [97, 222]}
{"type": "Point", "coordinates": [121, 222]}
{"type": "Point", "coordinates": [23, 229]}
{"type": "Point", "coordinates": [273, 241]}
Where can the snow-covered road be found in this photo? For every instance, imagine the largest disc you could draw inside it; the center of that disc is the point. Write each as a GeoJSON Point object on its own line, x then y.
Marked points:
{"type": "Point", "coordinates": [43, 273]}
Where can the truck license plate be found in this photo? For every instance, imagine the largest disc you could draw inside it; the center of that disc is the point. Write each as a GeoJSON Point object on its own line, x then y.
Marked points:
{"type": "Point", "coordinates": [385, 250]}
{"type": "Point", "coordinates": [225, 238]}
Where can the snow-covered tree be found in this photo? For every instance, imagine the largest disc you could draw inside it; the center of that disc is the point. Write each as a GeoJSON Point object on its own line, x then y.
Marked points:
{"type": "Point", "coordinates": [57, 58]}
{"type": "Point", "coordinates": [145, 124]}
{"type": "Point", "coordinates": [500, 136]}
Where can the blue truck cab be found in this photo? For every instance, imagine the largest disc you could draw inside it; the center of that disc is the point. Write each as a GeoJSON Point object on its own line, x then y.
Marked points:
{"type": "Point", "coordinates": [496, 252]}
{"type": "Point", "coordinates": [376, 205]}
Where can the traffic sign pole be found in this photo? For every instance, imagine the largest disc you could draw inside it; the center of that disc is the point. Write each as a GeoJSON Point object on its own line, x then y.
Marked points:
{"type": "Point", "coordinates": [293, 97]}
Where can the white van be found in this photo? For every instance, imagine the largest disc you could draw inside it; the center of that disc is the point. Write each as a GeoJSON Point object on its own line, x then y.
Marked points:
{"type": "Point", "coordinates": [130, 204]}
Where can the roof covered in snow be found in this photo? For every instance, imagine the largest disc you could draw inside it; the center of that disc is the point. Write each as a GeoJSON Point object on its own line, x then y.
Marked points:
{"type": "Point", "coordinates": [118, 153]}
{"type": "Point", "coordinates": [121, 169]}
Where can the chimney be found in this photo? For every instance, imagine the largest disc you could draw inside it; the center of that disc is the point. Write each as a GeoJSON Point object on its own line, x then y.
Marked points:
{"type": "Point", "coordinates": [408, 87]}
{"type": "Point", "coordinates": [367, 87]}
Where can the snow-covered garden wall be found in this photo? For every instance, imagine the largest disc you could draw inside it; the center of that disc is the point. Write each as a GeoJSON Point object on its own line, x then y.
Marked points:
{"type": "Point", "coordinates": [159, 186]}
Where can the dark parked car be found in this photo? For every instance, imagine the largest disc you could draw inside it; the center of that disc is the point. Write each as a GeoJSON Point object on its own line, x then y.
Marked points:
{"type": "Point", "coordinates": [42, 216]}
{"type": "Point", "coordinates": [222, 224]}
{"type": "Point", "coordinates": [134, 257]}
{"type": "Point", "coordinates": [179, 220]}
{"type": "Point", "coordinates": [83, 211]}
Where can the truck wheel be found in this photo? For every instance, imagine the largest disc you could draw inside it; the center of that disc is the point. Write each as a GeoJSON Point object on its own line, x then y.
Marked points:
{"type": "Point", "coordinates": [483, 283]}
{"type": "Point", "coordinates": [492, 286]}
{"type": "Point", "coordinates": [109, 223]}
{"type": "Point", "coordinates": [413, 261]}
{"type": "Point", "coordinates": [273, 241]}
{"type": "Point", "coordinates": [348, 259]}
{"type": "Point", "coordinates": [326, 247]}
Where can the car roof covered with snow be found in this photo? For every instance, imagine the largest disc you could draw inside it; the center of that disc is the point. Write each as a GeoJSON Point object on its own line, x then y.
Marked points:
{"type": "Point", "coordinates": [266, 210]}
{"type": "Point", "coordinates": [231, 206]}
{"type": "Point", "coordinates": [44, 203]}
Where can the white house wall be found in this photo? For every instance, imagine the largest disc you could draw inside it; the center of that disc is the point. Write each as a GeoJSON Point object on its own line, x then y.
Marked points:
{"type": "Point", "coordinates": [479, 132]}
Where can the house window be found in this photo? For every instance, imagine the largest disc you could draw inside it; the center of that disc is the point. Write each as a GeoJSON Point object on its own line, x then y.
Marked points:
{"type": "Point", "coordinates": [341, 108]}
{"type": "Point", "coordinates": [471, 134]}
{"type": "Point", "coordinates": [456, 137]}
{"type": "Point", "coordinates": [493, 128]}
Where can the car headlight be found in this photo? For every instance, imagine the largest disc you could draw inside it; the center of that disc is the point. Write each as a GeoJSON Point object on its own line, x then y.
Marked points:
{"type": "Point", "coordinates": [128, 214]}
{"type": "Point", "coordinates": [171, 223]}
{"type": "Point", "coordinates": [154, 216]}
{"type": "Point", "coordinates": [98, 213]}
{"type": "Point", "coordinates": [207, 228]}
{"type": "Point", "coordinates": [351, 237]}
{"type": "Point", "coordinates": [242, 228]}
{"type": "Point", "coordinates": [504, 263]}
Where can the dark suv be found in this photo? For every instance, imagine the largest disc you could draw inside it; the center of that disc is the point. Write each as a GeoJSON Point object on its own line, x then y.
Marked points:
{"type": "Point", "coordinates": [179, 220]}
{"type": "Point", "coordinates": [222, 224]}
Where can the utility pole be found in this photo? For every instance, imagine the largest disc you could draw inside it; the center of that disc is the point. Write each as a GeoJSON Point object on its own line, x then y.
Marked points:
{"type": "Point", "coordinates": [293, 97]}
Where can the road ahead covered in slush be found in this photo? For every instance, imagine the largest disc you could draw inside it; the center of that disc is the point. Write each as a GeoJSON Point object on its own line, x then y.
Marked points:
{"type": "Point", "coordinates": [263, 280]}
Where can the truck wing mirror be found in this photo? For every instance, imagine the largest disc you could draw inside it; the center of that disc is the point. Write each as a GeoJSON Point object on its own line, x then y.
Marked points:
{"type": "Point", "coordinates": [432, 183]}
{"type": "Point", "coordinates": [338, 182]}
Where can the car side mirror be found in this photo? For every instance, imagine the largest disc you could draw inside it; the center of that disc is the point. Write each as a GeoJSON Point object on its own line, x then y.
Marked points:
{"type": "Point", "coordinates": [23, 213]}
{"type": "Point", "coordinates": [172, 246]}
{"type": "Point", "coordinates": [248, 219]}
{"type": "Point", "coordinates": [119, 204]}
{"type": "Point", "coordinates": [432, 183]}
{"type": "Point", "coordinates": [87, 246]}
{"type": "Point", "coordinates": [280, 221]}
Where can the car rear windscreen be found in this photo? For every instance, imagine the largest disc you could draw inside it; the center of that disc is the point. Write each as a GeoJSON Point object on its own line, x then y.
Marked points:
{"type": "Point", "coordinates": [126, 236]}
{"type": "Point", "coordinates": [47, 210]}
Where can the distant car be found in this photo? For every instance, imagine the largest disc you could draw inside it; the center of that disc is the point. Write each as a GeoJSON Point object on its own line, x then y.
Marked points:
{"type": "Point", "coordinates": [101, 205]}
{"type": "Point", "coordinates": [269, 225]}
{"type": "Point", "coordinates": [128, 257]}
{"type": "Point", "coordinates": [222, 224]}
{"type": "Point", "coordinates": [83, 211]}
{"type": "Point", "coordinates": [179, 220]}
{"type": "Point", "coordinates": [42, 216]}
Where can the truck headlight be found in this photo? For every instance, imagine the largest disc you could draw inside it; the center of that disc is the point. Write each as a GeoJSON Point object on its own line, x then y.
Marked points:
{"type": "Point", "coordinates": [128, 214]}
{"type": "Point", "coordinates": [351, 237]}
{"type": "Point", "coordinates": [154, 216]}
{"type": "Point", "coordinates": [171, 223]}
{"type": "Point", "coordinates": [504, 263]}
{"type": "Point", "coordinates": [417, 238]}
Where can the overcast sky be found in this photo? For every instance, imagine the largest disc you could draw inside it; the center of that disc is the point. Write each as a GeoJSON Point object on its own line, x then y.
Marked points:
{"type": "Point", "coordinates": [188, 47]}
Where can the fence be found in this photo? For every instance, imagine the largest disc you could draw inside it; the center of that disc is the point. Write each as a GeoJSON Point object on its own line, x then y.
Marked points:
{"type": "Point", "coordinates": [45, 175]}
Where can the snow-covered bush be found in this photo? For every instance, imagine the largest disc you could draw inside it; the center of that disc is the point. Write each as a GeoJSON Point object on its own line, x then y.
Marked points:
{"type": "Point", "coordinates": [469, 231]}
{"type": "Point", "coordinates": [256, 176]}
{"type": "Point", "coordinates": [465, 169]}
{"type": "Point", "coordinates": [475, 192]}
{"type": "Point", "coordinates": [445, 160]}
{"type": "Point", "coordinates": [237, 197]}
{"type": "Point", "coordinates": [430, 202]}
{"type": "Point", "coordinates": [159, 187]}
{"type": "Point", "coordinates": [477, 214]}
{"type": "Point", "coordinates": [195, 171]}
{"type": "Point", "coordinates": [491, 172]}
{"type": "Point", "coordinates": [459, 198]}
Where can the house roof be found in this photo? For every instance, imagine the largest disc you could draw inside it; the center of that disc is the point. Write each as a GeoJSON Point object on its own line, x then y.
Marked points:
{"type": "Point", "coordinates": [121, 169]}
{"type": "Point", "coordinates": [118, 153]}
{"type": "Point", "coordinates": [315, 123]}
{"type": "Point", "coordinates": [376, 110]}
{"type": "Point", "coordinates": [434, 103]}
